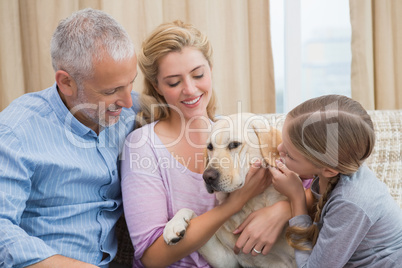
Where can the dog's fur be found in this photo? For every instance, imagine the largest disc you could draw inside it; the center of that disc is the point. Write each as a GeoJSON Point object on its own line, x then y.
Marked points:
{"type": "Point", "coordinates": [235, 142]}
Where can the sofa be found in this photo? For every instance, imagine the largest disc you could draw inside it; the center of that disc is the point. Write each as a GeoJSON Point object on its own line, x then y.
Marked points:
{"type": "Point", "coordinates": [385, 161]}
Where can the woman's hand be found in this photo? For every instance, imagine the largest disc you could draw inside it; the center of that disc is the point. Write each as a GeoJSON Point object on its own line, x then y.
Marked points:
{"type": "Point", "coordinates": [257, 180]}
{"type": "Point", "coordinates": [262, 228]}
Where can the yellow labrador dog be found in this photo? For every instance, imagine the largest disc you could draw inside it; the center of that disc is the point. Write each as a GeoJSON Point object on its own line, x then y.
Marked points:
{"type": "Point", "coordinates": [234, 144]}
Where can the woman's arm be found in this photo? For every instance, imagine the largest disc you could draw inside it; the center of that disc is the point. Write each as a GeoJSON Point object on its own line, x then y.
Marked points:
{"type": "Point", "coordinates": [262, 228]}
{"type": "Point", "coordinates": [201, 228]}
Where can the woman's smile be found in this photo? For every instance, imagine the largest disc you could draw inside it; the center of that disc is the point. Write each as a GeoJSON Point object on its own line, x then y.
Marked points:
{"type": "Point", "coordinates": [192, 102]}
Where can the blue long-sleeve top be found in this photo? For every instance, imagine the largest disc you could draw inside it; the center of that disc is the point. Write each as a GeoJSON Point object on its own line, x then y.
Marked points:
{"type": "Point", "coordinates": [360, 225]}
{"type": "Point", "coordinates": [59, 182]}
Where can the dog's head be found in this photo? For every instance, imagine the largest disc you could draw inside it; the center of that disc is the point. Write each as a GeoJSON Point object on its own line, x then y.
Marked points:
{"type": "Point", "coordinates": [235, 142]}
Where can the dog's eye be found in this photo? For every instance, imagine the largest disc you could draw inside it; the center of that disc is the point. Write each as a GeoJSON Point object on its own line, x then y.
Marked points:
{"type": "Point", "coordinates": [234, 145]}
{"type": "Point", "coordinates": [210, 147]}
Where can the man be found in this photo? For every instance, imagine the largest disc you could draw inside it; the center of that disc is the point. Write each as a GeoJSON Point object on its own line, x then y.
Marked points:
{"type": "Point", "coordinates": [60, 192]}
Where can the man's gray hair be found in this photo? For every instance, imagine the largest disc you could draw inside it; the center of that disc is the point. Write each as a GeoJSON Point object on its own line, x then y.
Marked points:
{"type": "Point", "coordinates": [83, 38]}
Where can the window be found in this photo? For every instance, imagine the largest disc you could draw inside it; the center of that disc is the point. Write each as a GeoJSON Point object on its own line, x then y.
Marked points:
{"type": "Point", "coordinates": [311, 43]}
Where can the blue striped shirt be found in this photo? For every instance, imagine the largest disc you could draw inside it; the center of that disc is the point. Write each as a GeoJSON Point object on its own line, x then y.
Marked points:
{"type": "Point", "coordinates": [59, 182]}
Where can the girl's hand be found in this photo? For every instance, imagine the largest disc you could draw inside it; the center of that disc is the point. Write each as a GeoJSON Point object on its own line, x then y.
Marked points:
{"type": "Point", "coordinates": [286, 181]}
{"type": "Point", "coordinates": [262, 228]}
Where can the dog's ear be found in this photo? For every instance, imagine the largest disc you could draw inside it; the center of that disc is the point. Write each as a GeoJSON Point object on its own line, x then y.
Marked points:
{"type": "Point", "coordinates": [206, 158]}
{"type": "Point", "coordinates": [269, 141]}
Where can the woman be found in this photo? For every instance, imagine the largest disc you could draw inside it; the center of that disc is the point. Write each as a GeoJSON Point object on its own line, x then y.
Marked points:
{"type": "Point", "coordinates": [164, 159]}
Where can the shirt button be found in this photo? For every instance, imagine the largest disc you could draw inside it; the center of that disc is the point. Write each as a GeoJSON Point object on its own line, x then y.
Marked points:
{"type": "Point", "coordinates": [113, 172]}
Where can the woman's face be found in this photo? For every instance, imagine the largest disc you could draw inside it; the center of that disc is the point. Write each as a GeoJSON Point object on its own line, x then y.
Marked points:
{"type": "Point", "coordinates": [184, 79]}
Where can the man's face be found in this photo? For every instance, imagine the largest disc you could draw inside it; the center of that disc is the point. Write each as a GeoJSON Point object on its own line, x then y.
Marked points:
{"type": "Point", "coordinates": [98, 102]}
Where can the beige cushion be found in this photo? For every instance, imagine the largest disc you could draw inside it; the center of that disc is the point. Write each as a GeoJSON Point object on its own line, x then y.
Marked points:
{"type": "Point", "coordinates": [386, 160]}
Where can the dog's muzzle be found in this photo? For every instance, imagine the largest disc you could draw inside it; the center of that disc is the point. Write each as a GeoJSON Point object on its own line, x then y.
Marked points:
{"type": "Point", "coordinates": [211, 177]}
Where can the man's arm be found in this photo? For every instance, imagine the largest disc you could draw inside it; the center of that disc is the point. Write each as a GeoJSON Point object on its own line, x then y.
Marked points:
{"type": "Point", "coordinates": [60, 261]}
{"type": "Point", "coordinates": [17, 247]}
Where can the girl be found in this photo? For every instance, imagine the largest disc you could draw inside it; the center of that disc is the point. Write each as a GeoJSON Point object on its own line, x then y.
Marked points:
{"type": "Point", "coordinates": [164, 160]}
{"type": "Point", "coordinates": [356, 223]}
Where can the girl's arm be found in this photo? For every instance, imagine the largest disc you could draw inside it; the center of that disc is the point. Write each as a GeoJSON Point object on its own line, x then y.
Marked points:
{"type": "Point", "coordinates": [345, 226]}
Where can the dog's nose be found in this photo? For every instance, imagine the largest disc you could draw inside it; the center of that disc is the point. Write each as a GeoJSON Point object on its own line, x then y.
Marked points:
{"type": "Point", "coordinates": [210, 175]}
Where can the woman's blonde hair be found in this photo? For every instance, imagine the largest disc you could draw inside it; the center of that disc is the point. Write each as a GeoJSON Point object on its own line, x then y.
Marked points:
{"type": "Point", "coordinates": [331, 131]}
{"type": "Point", "coordinates": [166, 38]}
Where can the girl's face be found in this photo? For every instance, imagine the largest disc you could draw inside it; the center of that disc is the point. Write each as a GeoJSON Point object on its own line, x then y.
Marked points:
{"type": "Point", "coordinates": [184, 79]}
{"type": "Point", "coordinates": [293, 159]}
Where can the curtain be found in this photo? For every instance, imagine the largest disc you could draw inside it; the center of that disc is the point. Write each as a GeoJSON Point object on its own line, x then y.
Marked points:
{"type": "Point", "coordinates": [239, 31]}
{"type": "Point", "coordinates": [377, 53]}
